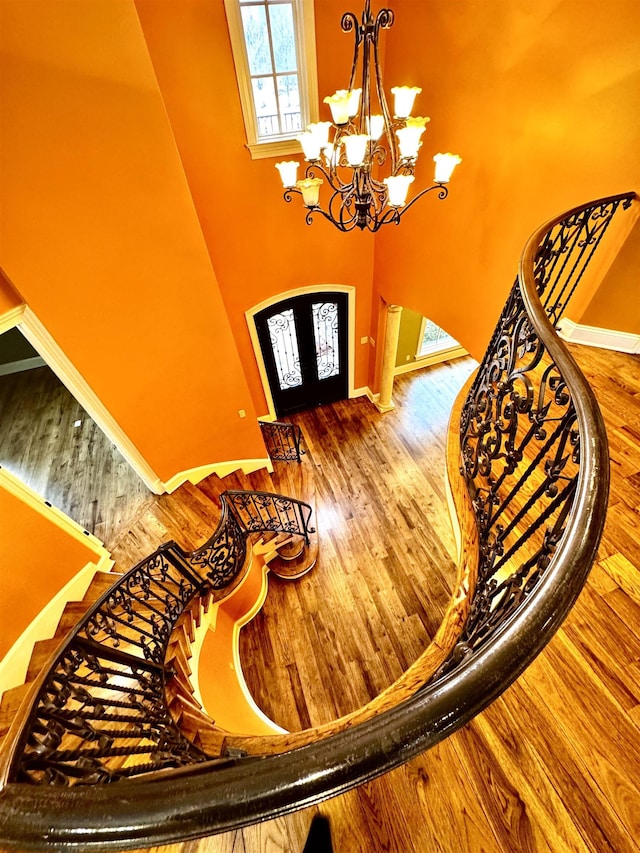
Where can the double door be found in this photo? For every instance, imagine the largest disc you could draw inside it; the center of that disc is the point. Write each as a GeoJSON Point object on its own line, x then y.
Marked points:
{"type": "Point", "coordinates": [304, 346]}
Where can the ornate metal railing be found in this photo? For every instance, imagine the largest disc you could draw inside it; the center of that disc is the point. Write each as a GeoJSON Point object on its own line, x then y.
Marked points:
{"type": "Point", "coordinates": [533, 457]}
{"type": "Point", "coordinates": [282, 440]}
{"type": "Point", "coordinates": [267, 512]}
{"type": "Point", "coordinates": [99, 712]}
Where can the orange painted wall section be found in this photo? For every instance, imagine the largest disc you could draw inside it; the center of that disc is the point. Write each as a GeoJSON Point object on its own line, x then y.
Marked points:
{"type": "Point", "coordinates": [259, 245]}
{"type": "Point", "coordinates": [222, 694]}
{"type": "Point", "coordinates": [101, 237]}
{"type": "Point", "coordinates": [8, 297]}
{"type": "Point", "coordinates": [616, 304]}
{"type": "Point", "coordinates": [33, 567]}
{"type": "Point", "coordinates": [541, 102]}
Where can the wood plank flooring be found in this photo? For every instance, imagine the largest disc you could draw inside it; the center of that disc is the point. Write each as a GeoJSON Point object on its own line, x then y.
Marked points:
{"type": "Point", "coordinates": [553, 764]}
{"type": "Point", "coordinates": [75, 468]}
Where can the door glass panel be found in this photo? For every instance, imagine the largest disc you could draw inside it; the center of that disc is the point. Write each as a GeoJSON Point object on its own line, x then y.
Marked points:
{"type": "Point", "coordinates": [325, 332]}
{"type": "Point", "coordinates": [284, 343]}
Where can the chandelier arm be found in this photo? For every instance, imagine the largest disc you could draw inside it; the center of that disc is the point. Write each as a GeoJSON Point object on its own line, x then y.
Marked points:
{"type": "Point", "coordinates": [384, 20]}
{"type": "Point", "coordinates": [348, 23]}
{"type": "Point", "coordinates": [331, 176]}
{"type": "Point", "coordinates": [287, 194]}
{"type": "Point", "coordinates": [337, 222]}
{"type": "Point", "coordinates": [393, 215]}
{"type": "Point", "coordinates": [341, 209]}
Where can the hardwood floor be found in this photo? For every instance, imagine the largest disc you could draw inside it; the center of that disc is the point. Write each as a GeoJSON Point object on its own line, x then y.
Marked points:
{"type": "Point", "coordinates": [75, 468]}
{"type": "Point", "coordinates": [553, 765]}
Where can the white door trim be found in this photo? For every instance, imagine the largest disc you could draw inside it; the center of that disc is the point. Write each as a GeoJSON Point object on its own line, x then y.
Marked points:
{"type": "Point", "coordinates": [288, 294]}
{"type": "Point", "coordinates": [24, 318]}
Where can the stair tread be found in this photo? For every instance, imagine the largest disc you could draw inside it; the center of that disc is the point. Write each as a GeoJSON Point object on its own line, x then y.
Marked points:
{"type": "Point", "coordinates": [11, 701]}
{"type": "Point", "coordinates": [42, 651]}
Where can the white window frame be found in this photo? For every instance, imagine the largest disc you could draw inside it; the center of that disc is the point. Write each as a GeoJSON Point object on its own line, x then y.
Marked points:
{"type": "Point", "coordinates": [304, 22]}
{"type": "Point", "coordinates": [433, 357]}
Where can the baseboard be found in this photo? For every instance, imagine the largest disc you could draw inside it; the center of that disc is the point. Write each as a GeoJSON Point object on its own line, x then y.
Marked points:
{"type": "Point", "coordinates": [364, 391]}
{"type": "Point", "coordinates": [427, 361]}
{"type": "Point", "coordinates": [21, 365]}
{"type": "Point", "coordinates": [196, 475]}
{"type": "Point", "coordinates": [594, 336]}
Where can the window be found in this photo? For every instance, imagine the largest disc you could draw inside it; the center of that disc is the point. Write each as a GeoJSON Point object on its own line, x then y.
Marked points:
{"type": "Point", "coordinates": [433, 340]}
{"type": "Point", "coordinates": [273, 44]}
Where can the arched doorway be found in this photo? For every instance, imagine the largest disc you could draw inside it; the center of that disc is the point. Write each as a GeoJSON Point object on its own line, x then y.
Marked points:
{"type": "Point", "coordinates": [303, 341]}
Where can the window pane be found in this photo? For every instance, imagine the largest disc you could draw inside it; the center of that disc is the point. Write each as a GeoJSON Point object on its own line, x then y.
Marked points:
{"type": "Point", "coordinates": [435, 339]}
{"type": "Point", "coordinates": [289, 97]}
{"type": "Point", "coordinates": [284, 343]}
{"type": "Point", "coordinates": [325, 332]}
{"type": "Point", "coordinates": [256, 36]}
{"type": "Point", "coordinates": [283, 38]}
{"type": "Point", "coordinates": [264, 99]}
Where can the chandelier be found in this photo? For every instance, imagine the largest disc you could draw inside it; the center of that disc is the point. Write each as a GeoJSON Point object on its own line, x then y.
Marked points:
{"type": "Point", "coordinates": [365, 140]}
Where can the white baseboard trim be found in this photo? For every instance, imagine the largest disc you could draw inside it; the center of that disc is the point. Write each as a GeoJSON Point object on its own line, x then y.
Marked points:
{"type": "Point", "coordinates": [594, 336]}
{"type": "Point", "coordinates": [21, 365]}
{"type": "Point", "coordinates": [14, 665]}
{"type": "Point", "coordinates": [364, 391]}
{"type": "Point", "coordinates": [195, 475]}
{"type": "Point", "coordinates": [427, 361]}
{"type": "Point", "coordinates": [373, 398]}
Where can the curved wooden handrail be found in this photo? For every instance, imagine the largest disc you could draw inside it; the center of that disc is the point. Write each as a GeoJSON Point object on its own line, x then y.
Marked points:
{"type": "Point", "coordinates": [229, 795]}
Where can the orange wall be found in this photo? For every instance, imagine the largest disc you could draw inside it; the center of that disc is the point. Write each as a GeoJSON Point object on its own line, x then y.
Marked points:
{"type": "Point", "coordinates": [126, 183]}
{"type": "Point", "coordinates": [541, 102]}
{"type": "Point", "coordinates": [101, 238]}
{"type": "Point", "coordinates": [616, 304]}
{"type": "Point", "coordinates": [33, 567]}
{"type": "Point", "coordinates": [8, 297]}
{"type": "Point", "coordinates": [259, 245]}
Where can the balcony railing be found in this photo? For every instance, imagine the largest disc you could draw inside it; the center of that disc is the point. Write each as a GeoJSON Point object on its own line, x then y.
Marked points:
{"type": "Point", "coordinates": [528, 467]}
{"type": "Point", "coordinates": [282, 440]}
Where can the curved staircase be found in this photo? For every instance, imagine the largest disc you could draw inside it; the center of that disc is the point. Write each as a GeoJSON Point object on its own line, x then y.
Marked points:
{"type": "Point", "coordinates": [528, 471]}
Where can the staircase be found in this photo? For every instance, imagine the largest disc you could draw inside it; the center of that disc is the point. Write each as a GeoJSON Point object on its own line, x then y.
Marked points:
{"type": "Point", "coordinates": [528, 470]}
{"type": "Point", "coordinates": [130, 655]}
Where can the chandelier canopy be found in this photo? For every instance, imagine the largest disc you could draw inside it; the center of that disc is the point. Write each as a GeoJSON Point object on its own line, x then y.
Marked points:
{"type": "Point", "coordinates": [365, 141]}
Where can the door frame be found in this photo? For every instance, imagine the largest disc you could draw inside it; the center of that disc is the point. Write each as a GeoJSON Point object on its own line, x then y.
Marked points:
{"type": "Point", "coordinates": [23, 318]}
{"type": "Point", "coordinates": [288, 294]}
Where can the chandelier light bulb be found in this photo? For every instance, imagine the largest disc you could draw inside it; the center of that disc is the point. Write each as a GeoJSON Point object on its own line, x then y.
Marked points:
{"type": "Point", "coordinates": [375, 126]}
{"type": "Point", "coordinates": [320, 131]}
{"type": "Point", "coordinates": [356, 147]}
{"type": "Point", "coordinates": [329, 152]}
{"type": "Point", "coordinates": [310, 145]}
{"type": "Point", "coordinates": [310, 189]}
{"type": "Point", "coordinates": [339, 106]}
{"type": "Point", "coordinates": [409, 141]}
{"type": "Point", "coordinates": [398, 187]}
{"type": "Point", "coordinates": [404, 96]}
{"type": "Point", "coordinates": [445, 164]}
{"type": "Point", "coordinates": [288, 172]}
{"type": "Point", "coordinates": [354, 102]}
